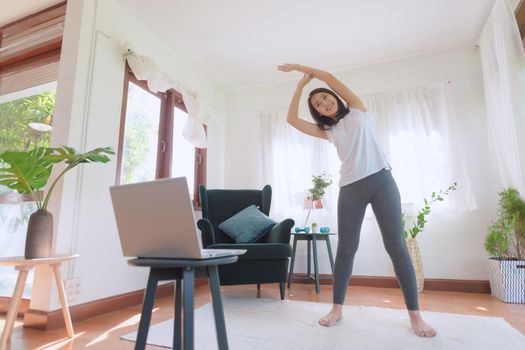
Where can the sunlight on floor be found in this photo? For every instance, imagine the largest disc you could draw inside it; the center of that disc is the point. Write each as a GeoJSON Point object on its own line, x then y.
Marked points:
{"type": "Point", "coordinates": [481, 308]}
{"type": "Point", "coordinates": [62, 344]}
{"type": "Point", "coordinates": [134, 320]}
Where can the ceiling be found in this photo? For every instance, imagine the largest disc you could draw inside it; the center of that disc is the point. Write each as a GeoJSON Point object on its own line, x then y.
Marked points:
{"type": "Point", "coordinates": [238, 43]}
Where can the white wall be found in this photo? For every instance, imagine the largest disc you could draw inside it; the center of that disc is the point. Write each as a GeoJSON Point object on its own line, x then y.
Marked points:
{"type": "Point", "coordinates": [88, 113]}
{"type": "Point", "coordinates": [452, 245]}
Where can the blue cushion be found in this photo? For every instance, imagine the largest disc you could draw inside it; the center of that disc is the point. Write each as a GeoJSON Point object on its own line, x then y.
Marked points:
{"type": "Point", "coordinates": [247, 225]}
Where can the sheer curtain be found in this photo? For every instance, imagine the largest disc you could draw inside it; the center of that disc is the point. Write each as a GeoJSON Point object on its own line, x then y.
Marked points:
{"type": "Point", "coordinates": [289, 159]}
{"type": "Point", "coordinates": [503, 63]}
{"type": "Point", "coordinates": [423, 146]}
{"type": "Point", "coordinates": [417, 137]}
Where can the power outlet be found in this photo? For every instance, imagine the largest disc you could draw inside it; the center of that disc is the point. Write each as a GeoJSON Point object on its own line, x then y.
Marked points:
{"type": "Point", "coordinates": [72, 288]}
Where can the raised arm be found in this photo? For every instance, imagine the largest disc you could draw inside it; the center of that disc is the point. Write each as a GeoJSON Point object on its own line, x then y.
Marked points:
{"type": "Point", "coordinates": [293, 112]}
{"type": "Point", "coordinates": [335, 84]}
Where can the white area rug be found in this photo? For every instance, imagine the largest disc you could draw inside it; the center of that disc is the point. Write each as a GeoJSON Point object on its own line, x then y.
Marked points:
{"type": "Point", "coordinates": [264, 324]}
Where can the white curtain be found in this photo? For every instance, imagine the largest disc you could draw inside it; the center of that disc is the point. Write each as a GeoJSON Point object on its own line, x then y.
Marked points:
{"type": "Point", "coordinates": [199, 113]}
{"type": "Point", "coordinates": [290, 158]}
{"type": "Point", "coordinates": [417, 137]}
{"type": "Point", "coordinates": [420, 140]}
{"type": "Point", "coordinates": [503, 62]}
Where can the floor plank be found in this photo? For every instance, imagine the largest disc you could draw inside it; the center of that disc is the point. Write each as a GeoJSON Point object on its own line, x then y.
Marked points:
{"type": "Point", "coordinates": [103, 332]}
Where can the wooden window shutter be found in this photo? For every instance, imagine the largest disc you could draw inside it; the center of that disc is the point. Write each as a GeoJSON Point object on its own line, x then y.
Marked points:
{"type": "Point", "coordinates": [30, 49]}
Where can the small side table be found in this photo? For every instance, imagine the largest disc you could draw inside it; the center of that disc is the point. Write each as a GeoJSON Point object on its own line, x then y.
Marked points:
{"type": "Point", "coordinates": [311, 239]}
{"type": "Point", "coordinates": [23, 266]}
{"type": "Point", "coordinates": [184, 272]}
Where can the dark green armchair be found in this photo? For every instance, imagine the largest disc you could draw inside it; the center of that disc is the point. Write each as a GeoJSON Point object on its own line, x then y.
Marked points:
{"type": "Point", "coordinates": [266, 260]}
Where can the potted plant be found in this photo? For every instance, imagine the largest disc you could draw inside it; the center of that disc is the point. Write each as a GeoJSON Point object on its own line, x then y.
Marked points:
{"type": "Point", "coordinates": [417, 228]}
{"type": "Point", "coordinates": [505, 242]}
{"type": "Point", "coordinates": [316, 193]}
{"type": "Point", "coordinates": [28, 172]}
{"type": "Point", "coordinates": [314, 227]}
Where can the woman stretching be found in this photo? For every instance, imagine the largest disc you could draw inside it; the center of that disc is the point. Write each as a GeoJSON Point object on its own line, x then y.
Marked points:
{"type": "Point", "coordinates": [365, 178]}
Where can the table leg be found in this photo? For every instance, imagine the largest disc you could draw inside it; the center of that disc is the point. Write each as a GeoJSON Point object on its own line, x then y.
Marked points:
{"type": "Point", "coordinates": [63, 300]}
{"type": "Point", "coordinates": [13, 305]}
{"type": "Point", "coordinates": [308, 258]}
{"type": "Point", "coordinates": [147, 308]}
{"type": "Point", "coordinates": [330, 256]}
{"type": "Point", "coordinates": [290, 275]}
{"type": "Point", "coordinates": [177, 325]}
{"type": "Point", "coordinates": [316, 265]}
{"type": "Point", "coordinates": [220, 324]}
{"type": "Point", "coordinates": [187, 296]}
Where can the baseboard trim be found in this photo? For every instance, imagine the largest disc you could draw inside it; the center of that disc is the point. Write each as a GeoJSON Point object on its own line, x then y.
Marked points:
{"type": "Point", "coordinates": [4, 306]}
{"type": "Point", "coordinates": [442, 285]}
{"type": "Point", "coordinates": [46, 320]}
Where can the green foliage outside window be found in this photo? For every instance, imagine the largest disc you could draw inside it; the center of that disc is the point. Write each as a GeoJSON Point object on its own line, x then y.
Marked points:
{"type": "Point", "coordinates": [137, 135]}
{"type": "Point", "coordinates": [136, 147]}
{"type": "Point", "coordinates": [15, 116]}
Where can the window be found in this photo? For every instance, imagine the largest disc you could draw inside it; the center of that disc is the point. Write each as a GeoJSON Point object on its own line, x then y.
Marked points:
{"type": "Point", "coordinates": [25, 123]}
{"type": "Point", "coordinates": [29, 59]}
{"type": "Point", "coordinates": [151, 144]}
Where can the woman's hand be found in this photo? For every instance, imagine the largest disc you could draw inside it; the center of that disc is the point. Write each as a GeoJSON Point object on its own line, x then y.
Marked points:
{"type": "Point", "coordinates": [305, 80]}
{"type": "Point", "coordinates": [287, 67]}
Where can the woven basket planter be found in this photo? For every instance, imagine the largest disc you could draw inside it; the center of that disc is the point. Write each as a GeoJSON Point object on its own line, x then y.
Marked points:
{"type": "Point", "coordinates": [507, 280]}
{"type": "Point", "coordinates": [415, 255]}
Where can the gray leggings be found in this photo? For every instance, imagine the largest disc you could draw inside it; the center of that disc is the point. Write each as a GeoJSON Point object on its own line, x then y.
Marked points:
{"type": "Point", "coordinates": [381, 191]}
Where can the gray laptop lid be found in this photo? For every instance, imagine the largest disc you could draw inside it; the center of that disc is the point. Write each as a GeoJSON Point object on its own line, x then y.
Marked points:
{"type": "Point", "coordinates": [155, 219]}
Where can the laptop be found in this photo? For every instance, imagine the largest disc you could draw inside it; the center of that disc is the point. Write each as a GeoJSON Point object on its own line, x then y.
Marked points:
{"type": "Point", "coordinates": [155, 219]}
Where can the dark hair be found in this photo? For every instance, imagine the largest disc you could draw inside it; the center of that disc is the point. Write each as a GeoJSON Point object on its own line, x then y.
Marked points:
{"type": "Point", "coordinates": [323, 122]}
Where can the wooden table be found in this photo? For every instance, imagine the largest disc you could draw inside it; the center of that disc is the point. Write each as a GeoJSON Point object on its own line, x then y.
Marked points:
{"type": "Point", "coordinates": [184, 272]}
{"type": "Point", "coordinates": [311, 239]}
{"type": "Point", "coordinates": [23, 266]}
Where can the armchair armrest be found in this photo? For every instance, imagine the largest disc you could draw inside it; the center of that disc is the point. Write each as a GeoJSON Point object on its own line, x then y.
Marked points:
{"type": "Point", "coordinates": [206, 232]}
{"type": "Point", "coordinates": [280, 233]}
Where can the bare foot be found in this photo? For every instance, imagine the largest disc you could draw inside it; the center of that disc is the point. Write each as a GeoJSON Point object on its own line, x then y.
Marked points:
{"type": "Point", "coordinates": [421, 328]}
{"type": "Point", "coordinates": [334, 316]}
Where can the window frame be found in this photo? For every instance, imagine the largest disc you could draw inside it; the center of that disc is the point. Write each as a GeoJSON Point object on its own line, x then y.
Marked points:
{"type": "Point", "coordinates": [169, 100]}
{"type": "Point", "coordinates": [520, 19]}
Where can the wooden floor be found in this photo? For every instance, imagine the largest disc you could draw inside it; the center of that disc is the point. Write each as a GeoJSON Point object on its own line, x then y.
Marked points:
{"type": "Point", "coordinates": [103, 332]}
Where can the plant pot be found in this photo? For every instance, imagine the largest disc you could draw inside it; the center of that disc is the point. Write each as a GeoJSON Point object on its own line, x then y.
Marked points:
{"type": "Point", "coordinates": [39, 239]}
{"type": "Point", "coordinates": [507, 280]}
{"type": "Point", "coordinates": [415, 256]}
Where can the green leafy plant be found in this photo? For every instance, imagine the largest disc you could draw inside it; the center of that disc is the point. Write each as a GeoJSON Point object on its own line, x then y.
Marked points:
{"type": "Point", "coordinates": [320, 183]}
{"type": "Point", "coordinates": [28, 172]}
{"type": "Point", "coordinates": [506, 237]}
{"type": "Point", "coordinates": [421, 218]}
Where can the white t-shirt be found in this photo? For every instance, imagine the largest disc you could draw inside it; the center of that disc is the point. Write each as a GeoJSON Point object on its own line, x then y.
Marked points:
{"type": "Point", "coordinates": [358, 147]}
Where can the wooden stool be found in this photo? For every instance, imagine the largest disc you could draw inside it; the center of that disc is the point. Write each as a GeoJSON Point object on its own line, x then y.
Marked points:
{"type": "Point", "coordinates": [23, 266]}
